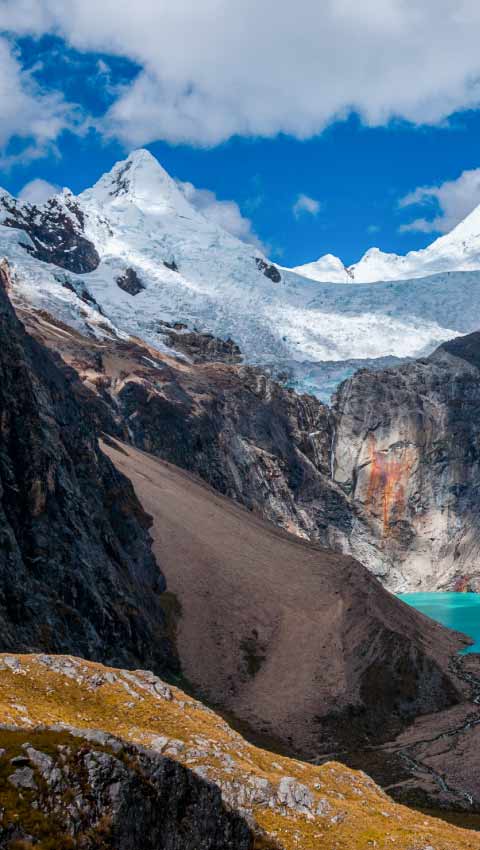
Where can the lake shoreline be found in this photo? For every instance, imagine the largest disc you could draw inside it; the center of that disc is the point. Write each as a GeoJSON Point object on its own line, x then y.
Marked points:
{"type": "Point", "coordinates": [455, 610]}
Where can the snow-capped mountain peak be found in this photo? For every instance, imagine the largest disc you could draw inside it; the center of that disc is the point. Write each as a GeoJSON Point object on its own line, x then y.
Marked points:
{"type": "Point", "coordinates": [5, 194]}
{"type": "Point", "coordinates": [458, 250]}
{"type": "Point", "coordinates": [140, 180]}
{"type": "Point", "coordinates": [328, 268]}
{"type": "Point", "coordinates": [132, 253]}
{"type": "Point", "coordinates": [465, 233]}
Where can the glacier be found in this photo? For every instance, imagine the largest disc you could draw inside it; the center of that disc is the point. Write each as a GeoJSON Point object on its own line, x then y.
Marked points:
{"type": "Point", "coordinates": [192, 271]}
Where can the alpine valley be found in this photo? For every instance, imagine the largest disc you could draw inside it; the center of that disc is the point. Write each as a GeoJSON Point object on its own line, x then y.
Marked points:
{"type": "Point", "coordinates": [201, 645]}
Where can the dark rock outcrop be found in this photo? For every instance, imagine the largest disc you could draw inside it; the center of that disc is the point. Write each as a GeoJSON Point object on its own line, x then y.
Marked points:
{"type": "Point", "coordinates": [130, 282]}
{"type": "Point", "coordinates": [78, 792]}
{"type": "Point", "coordinates": [268, 269]}
{"type": "Point", "coordinates": [76, 569]}
{"type": "Point", "coordinates": [202, 347]}
{"type": "Point", "coordinates": [246, 435]}
{"type": "Point", "coordinates": [78, 287]}
{"type": "Point", "coordinates": [171, 265]}
{"type": "Point", "coordinates": [56, 231]}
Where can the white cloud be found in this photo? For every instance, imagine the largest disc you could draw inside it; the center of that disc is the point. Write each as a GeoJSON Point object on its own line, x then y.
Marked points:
{"type": "Point", "coordinates": [305, 204]}
{"type": "Point", "coordinates": [37, 191]}
{"type": "Point", "coordinates": [224, 213]}
{"type": "Point", "coordinates": [223, 67]}
{"type": "Point", "coordinates": [450, 203]}
{"type": "Point", "coordinates": [27, 112]}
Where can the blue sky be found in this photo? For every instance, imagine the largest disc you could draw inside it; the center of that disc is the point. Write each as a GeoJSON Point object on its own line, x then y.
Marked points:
{"type": "Point", "coordinates": [355, 169]}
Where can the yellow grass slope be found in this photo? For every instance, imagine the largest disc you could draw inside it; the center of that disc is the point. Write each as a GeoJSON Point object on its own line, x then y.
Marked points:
{"type": "Point", "coordinates": [294, 804]}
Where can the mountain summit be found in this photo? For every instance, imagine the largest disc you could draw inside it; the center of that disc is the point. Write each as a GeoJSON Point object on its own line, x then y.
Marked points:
{"type": "Point", "coordinates": [140, 180]}
{"type": "Point", "coordinates": [132, 253]}
{"type": "Point", "coordinates": [458, 250]}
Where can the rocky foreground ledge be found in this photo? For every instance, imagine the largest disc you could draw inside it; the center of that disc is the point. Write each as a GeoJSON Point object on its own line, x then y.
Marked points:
{"type": "Point", "coordinates": [94, 757]}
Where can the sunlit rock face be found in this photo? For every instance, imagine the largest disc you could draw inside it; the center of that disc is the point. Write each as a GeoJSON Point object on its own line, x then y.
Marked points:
{"type": "Point", "coordinates": [407, 453]}
{"type": "Point", "coordinates": [53, 233]}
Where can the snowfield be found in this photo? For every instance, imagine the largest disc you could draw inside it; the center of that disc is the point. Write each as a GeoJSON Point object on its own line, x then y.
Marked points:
{"type": "Point", "coordinates": [138, 218]}
{"type": "Point", "coordinates": [458, 250]}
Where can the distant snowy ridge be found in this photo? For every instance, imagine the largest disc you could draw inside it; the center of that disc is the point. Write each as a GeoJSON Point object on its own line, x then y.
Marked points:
{"type": "Point", "coordinates": [458, 250]}
{"type": "Point", "coordinates": [136, 225]}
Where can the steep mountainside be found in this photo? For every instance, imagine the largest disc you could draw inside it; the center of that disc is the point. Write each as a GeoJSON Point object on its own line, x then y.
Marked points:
{"type": "Point", "coordinates": [132, 253]}
{"type": "Point", "coordinates": [457, 251]}
{"type": "Point", "coordinates": [303, 645]}
{"type": "Point", "coordinates": [407, 454]}
{"type": "Point", "coordinates": [441, 752]}
{"type": "Point", "coordinates": [388, 474]}
{"type": "Point", "coordinates": [69, 790]}
{"type": "Point", "coordinates": [131, 256]}
{"type": "Point", "coordinates": [349, 608]}
{"type": "Point", "coordinates": [76, 569]}
{"type": "Point", "coordinates": [243, 433]}
{"type": "Point", "coordinates": [64, 777]}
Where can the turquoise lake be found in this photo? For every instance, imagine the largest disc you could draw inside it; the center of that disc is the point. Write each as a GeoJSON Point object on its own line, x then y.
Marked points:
{"type": "Point", "coordinates": [460, 611]}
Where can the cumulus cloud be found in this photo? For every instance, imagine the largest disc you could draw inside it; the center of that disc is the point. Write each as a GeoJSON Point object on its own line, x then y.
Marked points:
{"type": "Point", "coordinates": [218, 68]}
{"type": "Point", "coordinates": [305, 204]}
{"type": "Point", "coordinates": [37, 191]}
{"type": "Point", "coordinates": [449, 203]}
{"type": "Point", "coordinates": [28, 113]}
{"type": "Point", "coordinates": [227, 214]}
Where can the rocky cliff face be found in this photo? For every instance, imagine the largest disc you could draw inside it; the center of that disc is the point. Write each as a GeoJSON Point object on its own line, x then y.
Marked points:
{"type": "Point", "coordinates": [68, 789]}
{"type": "Point", "coordinates": [104, 759]}
{"type": "Point", "coordinates": [245, 434]}
{"type": "Point", "coordinates": [407, 455]}
{"type": "Point", "coordinates": [76, 569]}
{"type": "Point", "coordinates": [248, 437]}
{"type": "Point", "coordinates": [55, 234]}
{"type": "Point", "coordinates": [389, 474]}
